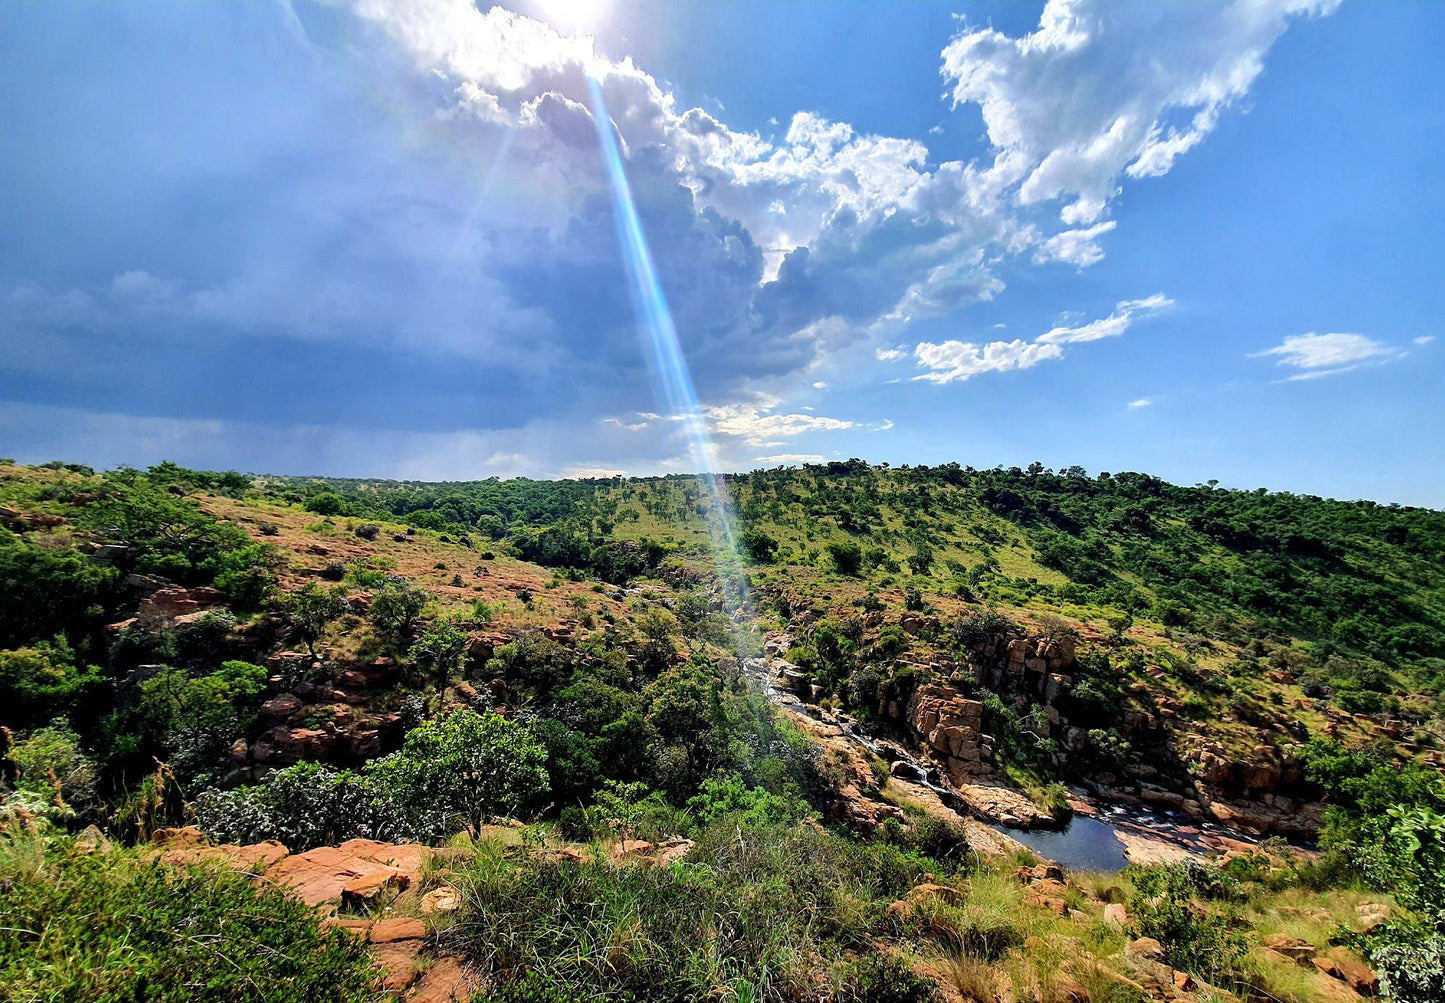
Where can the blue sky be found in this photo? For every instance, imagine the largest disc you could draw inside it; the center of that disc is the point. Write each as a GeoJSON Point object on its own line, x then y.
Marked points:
{"type": "Point", "coordinates": [378, 239]}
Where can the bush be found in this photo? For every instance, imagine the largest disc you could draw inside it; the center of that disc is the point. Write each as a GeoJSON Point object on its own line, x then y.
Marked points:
{"type": "Point", "coordinates": [40, 682]}
{"type": "Point", "coordinates": [396, 609]}
{"type": "Point", "coordinates": [847, 557]}
{"type": "Point", "coordinates": [1196, 939]}
{"type": "Point", "coordinates": [368, 531]}
{"type": "Point", "coordinates": [457, 772]}
{"type": "Point", "coordinates": [1412, 970]}
{"type": "Point", "coordinates": [303, 806]}
{"type": "Point", "coordinates": [116, 926]}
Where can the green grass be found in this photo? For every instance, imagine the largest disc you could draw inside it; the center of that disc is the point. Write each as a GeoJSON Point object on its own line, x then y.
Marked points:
{"type": "Point", "coordinates": [117, 925]}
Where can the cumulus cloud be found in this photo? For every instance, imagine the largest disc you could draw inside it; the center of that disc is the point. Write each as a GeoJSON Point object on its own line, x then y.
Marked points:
{"type": "Point", "coordinates": [478, 257]}
{"type": "Point", "coordinates": [1317, 355]}
{"type": "Point", "coordinates": [1141, 402]}
{"type": "Point", "coordinates": [961, 360]}
{"type": "Point", "coordinates": [1100, 91]}
{"type": "Point", "coordinates": [758, 422]}
{"type": "Point", "coordinates": [852, 228]}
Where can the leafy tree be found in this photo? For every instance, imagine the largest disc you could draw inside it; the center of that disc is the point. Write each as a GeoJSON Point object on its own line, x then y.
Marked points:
{"type": "Point", "coordinates": [847, 556]}
{"type": "Point", "coordinates": [458, 771]}
{"type": "Point", "coordinates": [310, 609]}
{"type": "Point", "coordinates": [44, 592]}
{"type": "Point", "coordinates": [396, 609]}
{"type": "Point", "coordinates": [38, 682]}
{"type": "Point", "coordinates": [758, 545]}
{"type": "Point", "coordinates": [441, 647]}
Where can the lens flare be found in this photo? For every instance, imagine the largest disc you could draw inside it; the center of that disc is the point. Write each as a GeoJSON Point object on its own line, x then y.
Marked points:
{"type": "Point", "coordinates": [669, 365]}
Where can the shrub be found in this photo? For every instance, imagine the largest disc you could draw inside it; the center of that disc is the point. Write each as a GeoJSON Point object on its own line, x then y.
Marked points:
{"type": "Point", "coordinates": [368, 531]}
{"type": "Point", "coordinates": [1196, 939]}
{"type": "Point", "coordinates": [303, 806]}
{"type": "Point", "coordinates": [1412, 970]}
{"type": "Point", "coordinates": [50, 764]}
{"type": "Point", "coordinates": [116, 926]}
{"type": "Point", "coordinates": [396, 609]}
{"type": "Point", "coordinates": [847, 557]}
{"type": "Point", "coordinates": [457, 772]}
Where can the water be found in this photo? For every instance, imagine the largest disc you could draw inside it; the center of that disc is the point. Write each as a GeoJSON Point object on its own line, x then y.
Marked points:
{"type": "Point", "coordinates": [1085, 844]}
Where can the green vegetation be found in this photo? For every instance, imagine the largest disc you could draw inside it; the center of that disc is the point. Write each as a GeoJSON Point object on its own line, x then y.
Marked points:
{"type": "Point", "coordinates": [114, 925]}
{"type": "Point", "coordinates": [403, 660]}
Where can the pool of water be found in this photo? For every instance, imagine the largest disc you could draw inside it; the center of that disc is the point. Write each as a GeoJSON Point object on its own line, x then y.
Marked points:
{"type": "Point", "coordinates": [1085, 844]}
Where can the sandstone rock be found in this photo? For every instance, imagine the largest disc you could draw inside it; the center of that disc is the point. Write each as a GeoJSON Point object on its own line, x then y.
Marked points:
{"type": "Point", "coordinates": [389, 931]}
{"type": "Point", "coordinates": [282, 707]}
{"type": "Point", "coordinates": [1360, 978]}
{"type": "Point", "coordinates": [447, 980]}
{"type": "Point", "coordinates": [359, 869]}
{"type": "Point", "coordinates": [1145, 949]}
{"type": "Point", "coordinates": [1115, 916]}
{"type": "Point", "coordinates": [1291, 947]}
{"type": "Point", "coordinates": [400, 962]}
{"type": "Point", "coordinates": [440, 900]}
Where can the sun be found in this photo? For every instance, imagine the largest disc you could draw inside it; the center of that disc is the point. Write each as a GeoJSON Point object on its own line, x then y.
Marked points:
{"type": "Point", "coordinates": [573, 15]}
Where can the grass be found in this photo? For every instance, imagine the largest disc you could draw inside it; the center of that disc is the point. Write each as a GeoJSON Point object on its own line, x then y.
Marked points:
{"type": "Point", "coordinates": [119, 925]}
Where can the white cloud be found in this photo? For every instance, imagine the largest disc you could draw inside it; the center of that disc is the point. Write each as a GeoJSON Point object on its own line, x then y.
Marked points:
{"type": "Point", "coordinates": [855, 228]}
{"type": "Point", "coordinates": [1111, 326]}
{"type": "Point", "coordinates": [960, 360]}
{"type": "Point", "coordinates": [1141, 402]}
{"type": "Point", "coordinates": [1101, 90]}
{"type": "Point", "coordinates": [1424, 339]}
{"type": "Point", "coordinates": [890, 354]}
{"type": "Point", "coordinates": [1074, 247]}
{"type": "Point", "coordinates": [757, 421]}
{"type": "Point", "coordinates": [1317, 355]}
{"type": "Point", "coordinates": [820, 385]}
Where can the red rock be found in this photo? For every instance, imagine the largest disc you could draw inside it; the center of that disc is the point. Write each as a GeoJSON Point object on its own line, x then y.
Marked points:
{"type": "Point", "coordinates": [399, 959]}
{"type": "Point", "coordinates": [1291, 947]}
{"type": "Point", "coordinates": [1361, 978]}
{"type": "Point", "coordinates": [388, 931]}
{"type": "Point", "coordinates": [1146, 949]}
{"type": "Point", "coordinates": [447, 980]}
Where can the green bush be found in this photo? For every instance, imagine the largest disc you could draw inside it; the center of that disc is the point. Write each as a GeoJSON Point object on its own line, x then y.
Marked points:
{"type": "Point", "coordinates": [457, 772]}
{"type": "Point", "coordinates": [114, 926]}
{"type": "Point", "coordinates": [777, 913]}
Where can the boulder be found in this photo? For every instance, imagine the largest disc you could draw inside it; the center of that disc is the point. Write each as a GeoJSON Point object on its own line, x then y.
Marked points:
{"type": "Point", "coordinates": [1291, 947]}
{"type": "Point", "coordinates": [389, 931]}
{"type": "Point", "coordinates": [1145, 949]}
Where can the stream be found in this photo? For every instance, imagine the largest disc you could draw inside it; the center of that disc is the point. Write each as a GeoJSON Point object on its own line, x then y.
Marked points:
{"type": "Point", "coordinates": [1092, 840]}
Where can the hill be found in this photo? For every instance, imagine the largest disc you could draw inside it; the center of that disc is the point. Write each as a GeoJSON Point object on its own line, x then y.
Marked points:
{"type": "Point", "coordinates": [886, 654]}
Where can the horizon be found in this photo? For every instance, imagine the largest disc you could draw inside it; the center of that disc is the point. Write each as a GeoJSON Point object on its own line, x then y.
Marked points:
{"type": "Point", "coordinates": [1217, 485]}
{"type": "Point", "coordinates": [445, 242]}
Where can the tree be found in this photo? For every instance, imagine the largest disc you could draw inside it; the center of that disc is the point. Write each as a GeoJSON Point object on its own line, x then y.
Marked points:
{"type": "Point", "coordinates": [396, 608]}
{"type": "Point", "coordinates": [310, 609]}
{"type": "Point", "coordinates": [440, 646]}
{"type": "Point", "coordinates": [758, 545]}
{"type": "Point", "coordinates": [847, 556]}
{"type": "Point", "coordinates": [459, 771]}
{"type": "Point", "coordinates": [921, 560]}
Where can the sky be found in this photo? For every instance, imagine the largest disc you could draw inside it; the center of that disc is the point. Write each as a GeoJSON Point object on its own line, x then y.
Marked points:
{"type": "Point", "coordinates": [385, 239]}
